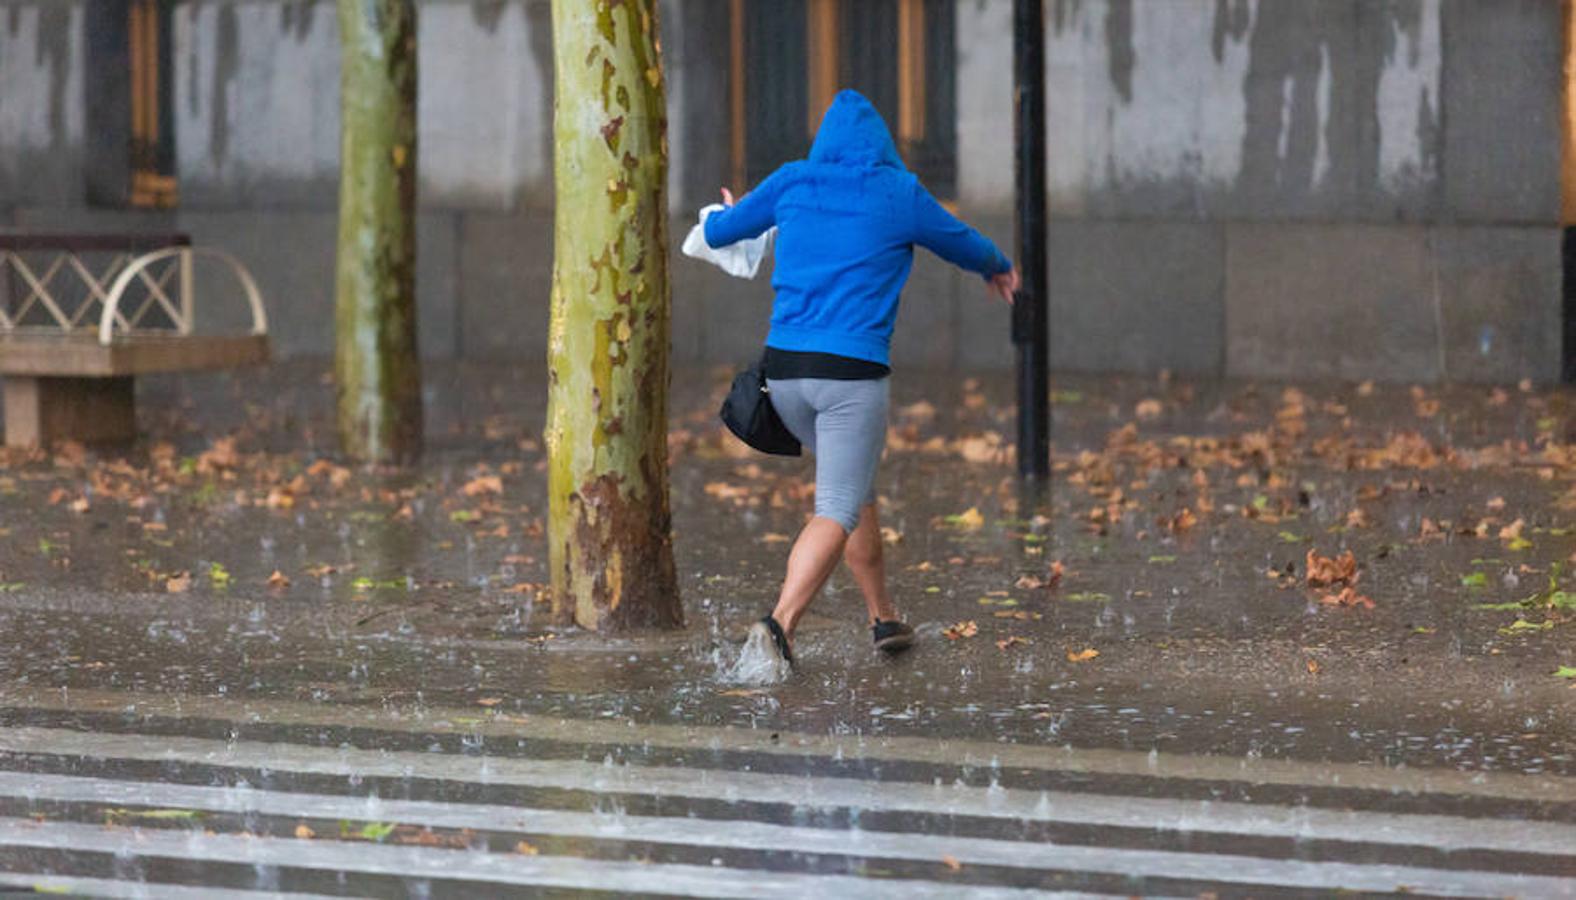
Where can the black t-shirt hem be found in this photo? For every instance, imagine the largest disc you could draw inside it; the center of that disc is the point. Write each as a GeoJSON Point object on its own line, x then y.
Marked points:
{"type": "Point", "coordinates": [784, 364]}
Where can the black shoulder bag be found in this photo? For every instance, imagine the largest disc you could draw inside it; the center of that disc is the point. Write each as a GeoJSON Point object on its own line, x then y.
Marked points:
{"type": "Point", "coordinates": [749, 414]}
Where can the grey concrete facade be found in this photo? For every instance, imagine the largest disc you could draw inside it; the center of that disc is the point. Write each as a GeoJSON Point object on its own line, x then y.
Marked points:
{"type": "Point", "coordinates": [1285, 188]}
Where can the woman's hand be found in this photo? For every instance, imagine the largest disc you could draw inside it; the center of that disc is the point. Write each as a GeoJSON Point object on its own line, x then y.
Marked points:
{"type": "Point", "coordinates": [727, 197]}
{"type": "Point", "coordinates": [1004, 285]}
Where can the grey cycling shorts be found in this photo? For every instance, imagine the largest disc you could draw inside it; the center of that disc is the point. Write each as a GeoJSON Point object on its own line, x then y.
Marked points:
{"type": "Point", "coordinates": [843, 424]}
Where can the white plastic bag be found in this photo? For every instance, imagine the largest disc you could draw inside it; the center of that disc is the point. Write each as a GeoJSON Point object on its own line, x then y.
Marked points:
{"type": "Point", "coordinates": [741, 259]}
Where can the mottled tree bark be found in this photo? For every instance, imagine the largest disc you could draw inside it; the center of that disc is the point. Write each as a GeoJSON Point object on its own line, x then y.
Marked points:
{"type": "Point", "coordinates": [608, 521]}
{"type": "Point", "coordinates": [376, 366]}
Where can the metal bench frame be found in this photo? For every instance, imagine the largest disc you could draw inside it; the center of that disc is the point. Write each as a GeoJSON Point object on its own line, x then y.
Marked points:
{"type": "Point", "coordinates": [73, 378]}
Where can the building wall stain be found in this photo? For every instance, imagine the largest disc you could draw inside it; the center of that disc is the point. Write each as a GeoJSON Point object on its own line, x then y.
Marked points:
{"type": "Point", "coordinates": [52, 49]}
{"type": "Point", "coordinates": [488, 13]}
{"type": "Point", "coordinates": [295, 18]}
{"type": "Point", "coordinates": [1064, 13]}
{"type": "Point", "coordinates": [226, 67]}
{"type": "Point", "coordinates": [1119, 43]}
{"type": "Point", "coordinates": [1232, 18]}
{"type": "Point", "coordinates": [1300, 66]}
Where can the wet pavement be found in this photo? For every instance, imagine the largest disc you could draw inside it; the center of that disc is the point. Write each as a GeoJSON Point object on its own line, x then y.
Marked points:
{"type": "Point", "coordinates": [392, 714]}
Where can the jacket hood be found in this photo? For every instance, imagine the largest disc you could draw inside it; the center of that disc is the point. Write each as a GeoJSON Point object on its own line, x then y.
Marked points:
{"type": "Point", "coordinates": [852, 133]}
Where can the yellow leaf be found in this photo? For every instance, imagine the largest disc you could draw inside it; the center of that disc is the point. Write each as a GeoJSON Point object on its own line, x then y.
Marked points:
{"type": "Point", "coordinates": [525, 849]}
{"type": "Point", "coordinates": [1082, 655]}
{"type": "Point", "coordinates": [303, 832]}
{"type": "Point", "coordinates": [399, 153]}
{"type": "Point", "coordinates": [952, 863]}
{"type": "Point", "coordinates": [968, 520]}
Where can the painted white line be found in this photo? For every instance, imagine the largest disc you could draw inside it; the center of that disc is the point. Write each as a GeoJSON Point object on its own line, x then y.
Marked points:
{"type": "Point", "coordinates": [690, 832]}
{"type": "Point", "coordinates": [678, 878]}
{"type": "Point", "coordinates": [1154, 814]}
{"type": "Point", "coordinates": [945, 751]}
{"type": "Point", "coordinates": [139, 890]}
{"type": "Point", "coordinates": [496, 868]}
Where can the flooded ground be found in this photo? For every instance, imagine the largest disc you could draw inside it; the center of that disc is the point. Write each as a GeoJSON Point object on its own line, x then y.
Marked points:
{"type": "Point", "coordinates": [1143, 628]}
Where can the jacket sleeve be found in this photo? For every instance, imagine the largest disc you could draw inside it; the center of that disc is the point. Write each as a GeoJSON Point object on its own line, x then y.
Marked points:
{"type": "Point", "coordinates": [750, 217]}
{"type": "Point", "coordinates": [954, 240]}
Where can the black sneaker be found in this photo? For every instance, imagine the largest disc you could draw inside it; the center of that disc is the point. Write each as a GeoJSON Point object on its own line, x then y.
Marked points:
{"type": "Point", "coordinates": [892, 637]}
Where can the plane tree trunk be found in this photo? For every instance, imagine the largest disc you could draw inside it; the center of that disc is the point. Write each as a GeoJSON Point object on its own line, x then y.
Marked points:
{"type": "Point", "coordinates": [609, 537]}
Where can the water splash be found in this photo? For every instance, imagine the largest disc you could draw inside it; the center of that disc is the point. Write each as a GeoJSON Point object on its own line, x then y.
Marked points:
{"type": "Point", "coordinates": [757, 662]}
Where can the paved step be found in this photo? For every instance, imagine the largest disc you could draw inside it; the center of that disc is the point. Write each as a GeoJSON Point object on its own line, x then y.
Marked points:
{"type": "Point", "coordinates": [79, 804]}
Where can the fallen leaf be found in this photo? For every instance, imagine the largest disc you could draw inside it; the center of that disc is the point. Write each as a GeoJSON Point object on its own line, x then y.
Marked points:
{"type": "Point", "coordinates": [890, 535]}
{"type": "Point", "coordinates": [1180, 522]}
{"type": "Point", "coordinates": [968, 520]}
{"type": "Point", "coordinates": [1325, 571]}
{"type": "Point", "coordinates": [1011, 641]}
{"type": "Point", "coordinates": [741, 692]}
{"type": "Point", "coordinates": [304, 833]}
{"type": "Point", "coordinates": [1149, 408]}
{"type": "Point", "coordinates": [952, 863]}
{"type": "Point", "coordinates": [772, 537]}
{"type": "Point", "coordinates": [483, 484]}
{"type": "Point", "coordinates": [960, 630]}
{"type": "Point", "coordinates": [278, 581]}
{"type": "Point", "coordinates": [179, 583]}
{"type": "Point", "coordinates": [525, 849]}
{"type": "Point", "coordinates": [1347, 597]}
{"type": "Point", "coordinates": [489, 701]}
{"type": "Point", "coordinates": [79, 505]}
{"type": "Point", "coordinates": [920, 413]}
{"type": "Point", "coordinates": [1082, 655]}
{"type": "Point", "coordinates": [1313, 667]}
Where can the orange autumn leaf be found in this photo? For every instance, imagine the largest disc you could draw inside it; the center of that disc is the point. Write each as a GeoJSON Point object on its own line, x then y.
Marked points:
{"type": "Point", "coordinates": [1326, 571]}
{"type": "Point", "coordinates": [960, 630]}
{"type": "Point", "coordinates": [1347, 597]}
{"type": "Point", "coordinates": [483, 484]}
{"type": "Point", "coordinates": [1082, 655]}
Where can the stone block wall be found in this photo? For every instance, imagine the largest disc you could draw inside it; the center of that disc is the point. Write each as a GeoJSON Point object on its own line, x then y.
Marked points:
{"type": "Point", "coordinates": [1277, 188]}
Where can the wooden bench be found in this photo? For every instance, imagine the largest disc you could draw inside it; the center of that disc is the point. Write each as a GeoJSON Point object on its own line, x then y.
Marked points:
{"type": "Point", "coordinates": [81, 315]}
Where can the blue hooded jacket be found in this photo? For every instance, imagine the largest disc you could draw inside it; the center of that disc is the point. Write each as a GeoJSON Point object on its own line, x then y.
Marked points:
{"type": "Point", "coordinates": [847, 221]}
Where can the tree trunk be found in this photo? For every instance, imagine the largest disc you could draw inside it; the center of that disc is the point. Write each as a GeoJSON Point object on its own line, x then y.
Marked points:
{"type": "Point", "coordinates": [610, 546]}
{"type": "Point", "coordinates": [376, 365]}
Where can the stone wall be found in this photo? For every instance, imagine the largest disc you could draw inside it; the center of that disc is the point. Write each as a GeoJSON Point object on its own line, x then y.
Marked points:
{"type": "Point", "coordinates": [1282, 188]}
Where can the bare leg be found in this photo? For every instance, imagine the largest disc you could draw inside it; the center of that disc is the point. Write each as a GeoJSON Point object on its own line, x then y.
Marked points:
{"type": "Point", "coordinates": [812, 559]}
{"type": "Point", "coordinates": [863, 553]}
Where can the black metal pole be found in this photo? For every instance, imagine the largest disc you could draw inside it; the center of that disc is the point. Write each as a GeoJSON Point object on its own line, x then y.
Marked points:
{"type": "Point", "coordinates": [1030, 320]}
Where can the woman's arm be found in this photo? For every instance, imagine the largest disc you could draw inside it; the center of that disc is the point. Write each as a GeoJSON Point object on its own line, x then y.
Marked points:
{"type": "Point", "coordinates": [954, 240]}
{"type": "Point", "coordinates": [750, 217]}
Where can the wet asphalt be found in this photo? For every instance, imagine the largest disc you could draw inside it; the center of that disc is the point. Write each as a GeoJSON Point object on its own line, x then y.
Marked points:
{"type": "Point", "coordinates": [414, 596]}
